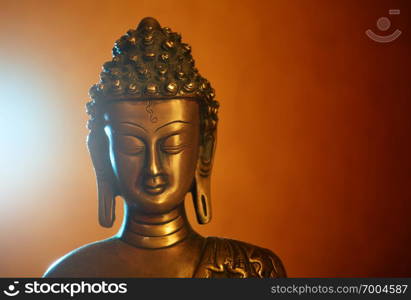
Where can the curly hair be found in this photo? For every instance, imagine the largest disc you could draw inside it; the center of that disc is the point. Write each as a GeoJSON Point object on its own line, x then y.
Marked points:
{"type": "Point", "coordinates": [149, 63]}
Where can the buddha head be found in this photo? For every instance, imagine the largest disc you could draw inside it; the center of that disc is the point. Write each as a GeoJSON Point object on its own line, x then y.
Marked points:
{"type": "Point", "coordinates": [153, 121]}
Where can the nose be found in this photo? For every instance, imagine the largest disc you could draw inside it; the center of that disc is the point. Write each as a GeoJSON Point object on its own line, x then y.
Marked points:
{"type": "Point", "coordinates": [153, 167]}
{"type": "Point", "coordinates": [154, 178]}
{"type": "Point", "coordinates": [154, 182]}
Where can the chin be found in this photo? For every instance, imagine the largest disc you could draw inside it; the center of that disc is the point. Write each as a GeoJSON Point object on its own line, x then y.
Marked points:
{"type": "Point", "coordinates": [155, 204]}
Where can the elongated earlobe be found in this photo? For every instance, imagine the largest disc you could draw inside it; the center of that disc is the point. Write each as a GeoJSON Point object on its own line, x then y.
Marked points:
{"type": "Point", "coordinates": [201, 198]}
{"type": "Point", "coordinates": [106, 203]}
{"type": "Point", "coordinates": [201, 190]}
{"type": "Point", "coordinates": [98, 147]}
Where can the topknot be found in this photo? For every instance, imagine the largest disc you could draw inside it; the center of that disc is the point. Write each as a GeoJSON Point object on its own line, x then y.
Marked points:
{"type": "Point", "coordinates": [152, 62]}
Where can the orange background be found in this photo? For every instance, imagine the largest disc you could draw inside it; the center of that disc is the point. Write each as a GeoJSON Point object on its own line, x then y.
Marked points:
{"type": "Point", "coordinates": [313, 157]}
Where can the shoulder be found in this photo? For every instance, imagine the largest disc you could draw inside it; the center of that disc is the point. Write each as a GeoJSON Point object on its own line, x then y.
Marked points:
{"type": "Point", "coordinates": [84, 261]}
{"type": "Point", "coordinates": [239, 259]}
{"type": "Point", "coordinates": [266, 263]}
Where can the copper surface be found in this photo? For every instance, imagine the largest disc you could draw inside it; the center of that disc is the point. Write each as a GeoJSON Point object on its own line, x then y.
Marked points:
{"type": "Point", "coordinates": [152, 140]}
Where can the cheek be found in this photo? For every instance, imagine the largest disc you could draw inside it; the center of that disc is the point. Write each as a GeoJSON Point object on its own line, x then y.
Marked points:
{"type": "Point", "coordinates": [182, 167]}
{"type": "Point", "coordinates": [128, 169]}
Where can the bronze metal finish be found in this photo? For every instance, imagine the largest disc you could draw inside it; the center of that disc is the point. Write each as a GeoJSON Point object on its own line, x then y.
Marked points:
{"type": "Point", "coordinates": [153, 122]}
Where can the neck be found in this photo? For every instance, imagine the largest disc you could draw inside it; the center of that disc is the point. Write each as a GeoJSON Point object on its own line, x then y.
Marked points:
{"type": "Point", "coordinates": [154, 231]}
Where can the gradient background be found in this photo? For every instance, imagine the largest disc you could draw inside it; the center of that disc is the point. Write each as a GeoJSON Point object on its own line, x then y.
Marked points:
{"type": "Point", "coordinates": [313, 157]}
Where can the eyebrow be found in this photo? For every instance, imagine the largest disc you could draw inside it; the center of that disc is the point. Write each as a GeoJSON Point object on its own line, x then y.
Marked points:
{"type": "Point", "coordinates": [169, 123]}
{"type": "Point", "coordinates": [133, 124]}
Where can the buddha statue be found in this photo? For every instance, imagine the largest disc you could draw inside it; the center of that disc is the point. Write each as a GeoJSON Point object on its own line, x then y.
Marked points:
{"type": "Point", "coordinates": [153, 123]}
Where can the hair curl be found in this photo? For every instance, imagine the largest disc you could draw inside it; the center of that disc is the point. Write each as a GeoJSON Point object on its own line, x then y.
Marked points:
{"type": "Point", "coordinates": [148, 63]}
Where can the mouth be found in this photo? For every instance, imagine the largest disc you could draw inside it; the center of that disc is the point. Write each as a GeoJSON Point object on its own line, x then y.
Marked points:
{"type": "Point", "coordinates": [155, 190]}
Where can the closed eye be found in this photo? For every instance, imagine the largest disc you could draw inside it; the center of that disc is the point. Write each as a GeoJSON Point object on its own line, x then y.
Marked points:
{"type": "Point", "coordinates": [173, 150]}
{"type": "Point", "coordinates": [173, 144]}
{"type": "Point", "coordinates": [130, 144]}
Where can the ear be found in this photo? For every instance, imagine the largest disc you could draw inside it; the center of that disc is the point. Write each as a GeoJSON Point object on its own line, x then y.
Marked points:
{"type": "Point", "coordinates": [98, 146]}
{"type": "Point", "coordinates": [201, 190]}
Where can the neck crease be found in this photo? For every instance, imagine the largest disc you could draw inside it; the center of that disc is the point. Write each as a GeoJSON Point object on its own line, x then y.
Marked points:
{"type": "Point", "coordinates": [154, 231]}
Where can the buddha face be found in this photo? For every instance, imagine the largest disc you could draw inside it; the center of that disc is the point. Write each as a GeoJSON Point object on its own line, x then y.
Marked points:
{"type": "Point", "coordinates": [153, 151]}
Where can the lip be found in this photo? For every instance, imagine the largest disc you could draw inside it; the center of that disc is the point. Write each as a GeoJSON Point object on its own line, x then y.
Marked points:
{"type": "Point", "coordinates": [155, 190]}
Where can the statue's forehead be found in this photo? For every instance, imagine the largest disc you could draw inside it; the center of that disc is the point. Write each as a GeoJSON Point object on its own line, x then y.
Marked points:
{"type": "Point", "coordinates": [153, 111]}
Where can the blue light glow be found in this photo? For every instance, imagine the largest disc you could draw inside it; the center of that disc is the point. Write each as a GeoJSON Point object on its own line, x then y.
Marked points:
{"type": "Point", "coordinates": [24, 127]}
